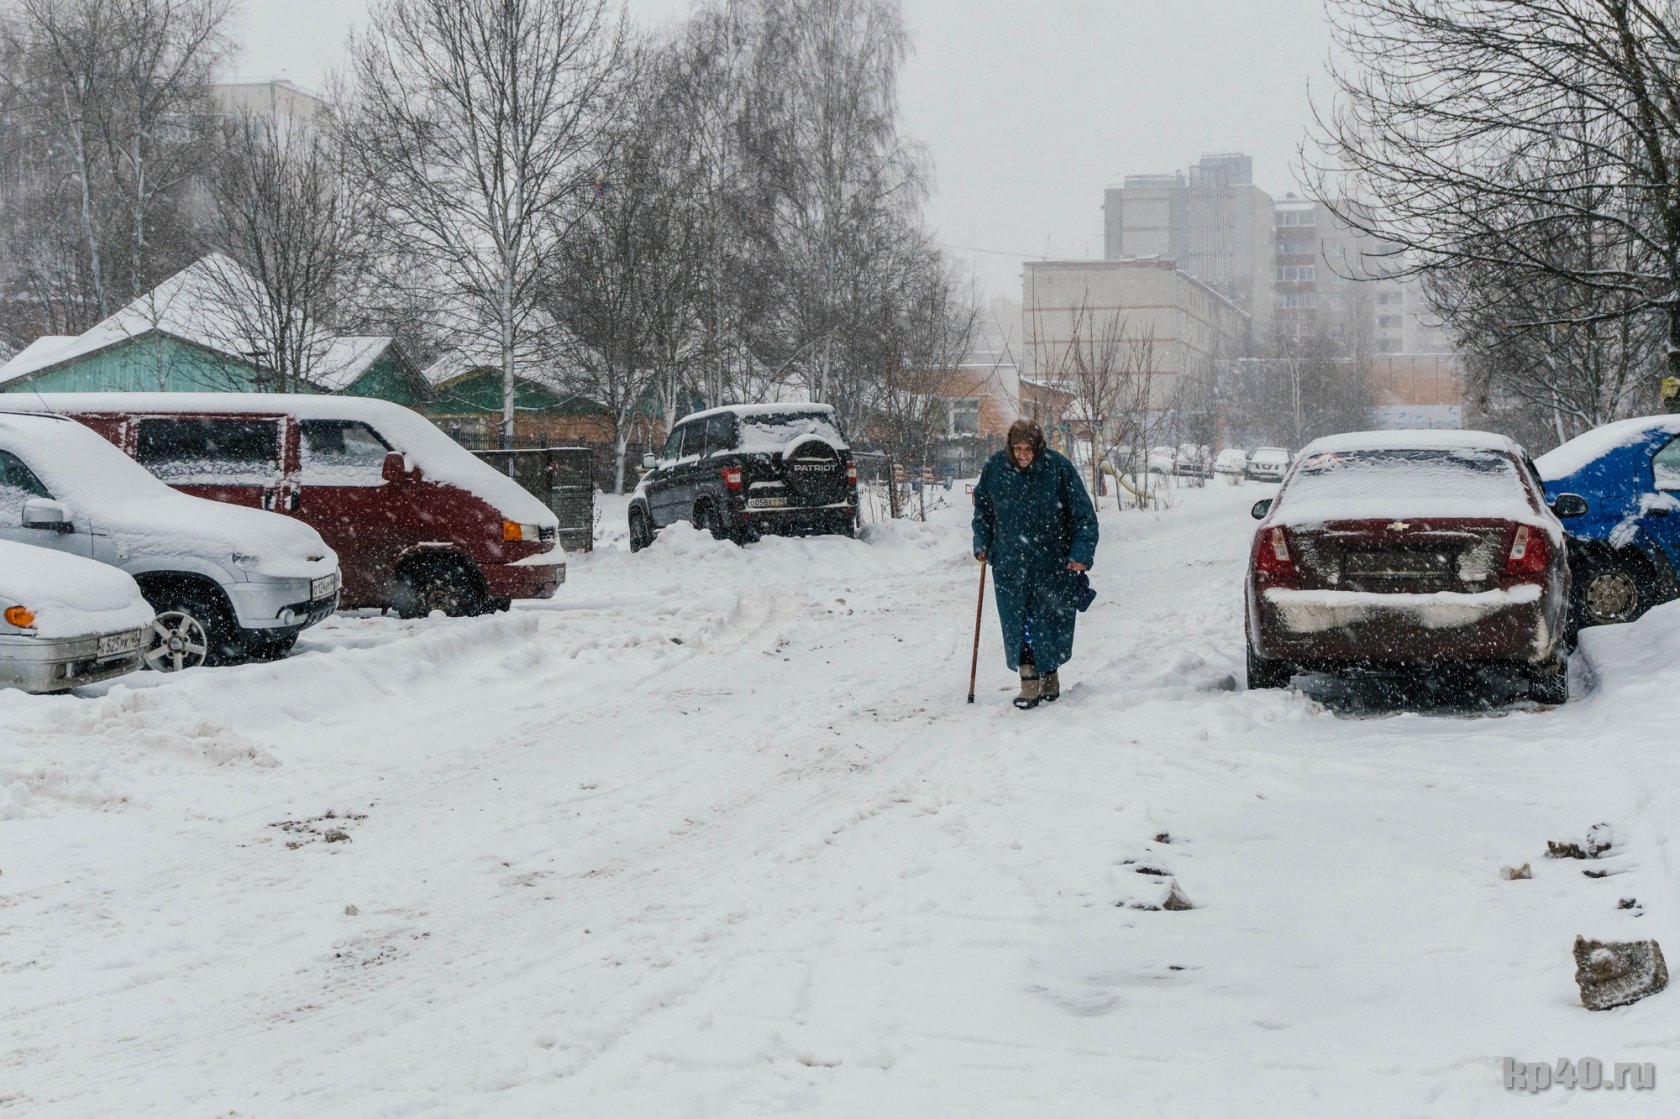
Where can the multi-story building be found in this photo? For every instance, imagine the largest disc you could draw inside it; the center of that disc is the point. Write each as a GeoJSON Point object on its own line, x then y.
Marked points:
{"type": "Point", "coordinates": [1156, 311]}
{"type": "Point", "coordinates": [1213, 223]}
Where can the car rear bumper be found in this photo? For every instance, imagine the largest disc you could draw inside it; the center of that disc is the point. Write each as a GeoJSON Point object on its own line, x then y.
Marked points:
{"type": "Point", "coordinates": [527, 579]}
{"type": "Point", "coordinates": [37, 664]}
{"type": "Point", "coordinates": [1329, 629]}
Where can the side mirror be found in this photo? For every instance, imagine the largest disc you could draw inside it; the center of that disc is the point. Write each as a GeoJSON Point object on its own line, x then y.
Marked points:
{"type": "Point", "coordinates": [1569, 505]}
{"type": "Point", "coordinates": [39, 512]}
{"type": "Point", "coordinates": [395, 469]}
{"type": "Point", "coordinates": [1261, 508]}
{"type": "Point", "coordinates": [648, 461]}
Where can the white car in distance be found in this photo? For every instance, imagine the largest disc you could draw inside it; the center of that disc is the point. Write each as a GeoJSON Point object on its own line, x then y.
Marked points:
{"type": "Point", "coordinates": [1268, 464]}
{"type": "Point", "coordinates": [66, 621]}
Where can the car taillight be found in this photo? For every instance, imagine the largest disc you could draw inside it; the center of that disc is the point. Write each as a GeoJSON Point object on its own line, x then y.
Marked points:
{"type": "Point", "coordinates": [1529, 552]}
{"type": "Point", "coordinates": [732, 477]}
{"type": "Point", "coordinates": [851, 473]}
{"type": "Point", "coordinates": [1271, 556]}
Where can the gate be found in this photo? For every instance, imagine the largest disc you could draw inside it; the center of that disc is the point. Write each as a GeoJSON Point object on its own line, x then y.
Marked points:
{"type": "Point", "coordinates": [562, 478]}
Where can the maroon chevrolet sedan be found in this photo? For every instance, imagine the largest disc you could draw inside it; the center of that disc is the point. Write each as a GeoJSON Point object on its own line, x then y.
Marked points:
{"type": "Point", "coordinates": [1389, 550]}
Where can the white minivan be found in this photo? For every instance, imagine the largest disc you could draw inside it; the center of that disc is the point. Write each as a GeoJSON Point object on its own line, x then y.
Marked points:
{"type": "Point", "coordinates": [226, 583]}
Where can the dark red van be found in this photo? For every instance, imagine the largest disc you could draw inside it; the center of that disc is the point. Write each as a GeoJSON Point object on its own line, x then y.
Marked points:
{"type": "Point", "coordinates": [418, 523]}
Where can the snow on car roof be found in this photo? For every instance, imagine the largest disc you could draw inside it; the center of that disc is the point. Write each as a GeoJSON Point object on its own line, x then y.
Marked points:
{"type": "Point", "coordinates": [1600, 441]}
{"type": "Point", "coordinates": [1421, 439]}
{"type": "Point", "coordinates": [761, 410]}
{"type": "Point", "coordinates": [1472, 476]}
{"type": "Point", "coordinates": [439, 457]}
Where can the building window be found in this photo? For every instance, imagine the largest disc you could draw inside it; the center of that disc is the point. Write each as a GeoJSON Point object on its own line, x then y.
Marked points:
{"type": "Point", "coordinates": [1291, 273]}
{"type": "Point", "coordinates": [964, 417]}
{"type": "Point", "coordinates": [1297, 217]}
{"type": "Point", "coordinates": [1388, 321]}
{"type": "Point", "coordinates": [1388, 345]}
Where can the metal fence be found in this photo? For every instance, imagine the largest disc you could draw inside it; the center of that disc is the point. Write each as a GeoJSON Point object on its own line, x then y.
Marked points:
{"type": "Point", "coordinates": [562, 478]}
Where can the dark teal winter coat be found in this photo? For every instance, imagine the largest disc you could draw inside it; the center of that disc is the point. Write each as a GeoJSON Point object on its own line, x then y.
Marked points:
{"type": "Point", "coordinates": [1030, 523]}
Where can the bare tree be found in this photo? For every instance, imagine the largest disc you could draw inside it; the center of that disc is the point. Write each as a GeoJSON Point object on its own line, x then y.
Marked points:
{"type": "Point", "coordinates": [833, 188]}
{"type": "Point", "coordinates": [113, 95]}
{"type": "Point", "coordinates": [926, 325]}
{"type": "Point", "coordinates": [1481, 134]}
{"type": "Point", "coordinates": [479, 129]}
{"type": "Point", "coordinates": [1110, 368]}
{"type": "Point", "coordinates": [631, 283]}
{"type": "Point", "coordinates": [285, 215]}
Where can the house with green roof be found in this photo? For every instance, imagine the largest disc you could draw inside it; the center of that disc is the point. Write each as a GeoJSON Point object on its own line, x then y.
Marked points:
{"type": "Point", "coordinates": [193, 333]}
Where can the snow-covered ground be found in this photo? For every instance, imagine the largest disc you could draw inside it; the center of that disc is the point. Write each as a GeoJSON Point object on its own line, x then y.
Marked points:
{"type": "Point", "coordinates": [714, 833]}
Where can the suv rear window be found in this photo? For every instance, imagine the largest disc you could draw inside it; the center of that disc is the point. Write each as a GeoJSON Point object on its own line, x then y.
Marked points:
{"type": "Point", "coordinates": [192, 450]}
{"type": "Point", "coordinates": [771, 431]}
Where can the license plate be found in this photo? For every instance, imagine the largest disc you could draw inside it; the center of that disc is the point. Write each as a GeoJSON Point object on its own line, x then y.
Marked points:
{"type": "Point", "coordinates": [114, 643]}
{"type": "Point", "coordinates": [1394, 563]}
{"type": "Point", "coordinates": [324, 586]}
{"type": "Point", "coordinates": [767, 502]}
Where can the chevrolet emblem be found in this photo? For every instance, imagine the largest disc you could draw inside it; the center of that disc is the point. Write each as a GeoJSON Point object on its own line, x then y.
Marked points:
{"type": "Point", "coordinates": [1399, 526]}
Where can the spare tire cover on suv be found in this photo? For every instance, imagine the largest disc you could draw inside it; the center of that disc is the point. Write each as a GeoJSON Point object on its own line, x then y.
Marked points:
{"type": "Point", "coordinates": [816, 472]}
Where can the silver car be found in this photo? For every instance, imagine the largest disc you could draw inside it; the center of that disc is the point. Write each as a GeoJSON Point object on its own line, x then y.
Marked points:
{"type": "Point", "coordinates": [66, 621]}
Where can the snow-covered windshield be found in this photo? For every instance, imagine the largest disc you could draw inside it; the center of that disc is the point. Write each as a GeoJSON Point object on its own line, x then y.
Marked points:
{"type": "Point", "coordinates": [1405, 482]}
{"type": "Point", "coordinates": [771, 431]}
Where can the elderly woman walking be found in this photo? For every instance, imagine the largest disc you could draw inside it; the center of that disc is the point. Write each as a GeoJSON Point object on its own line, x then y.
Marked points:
{"type": "Point", "coordinates": [1034, 524]}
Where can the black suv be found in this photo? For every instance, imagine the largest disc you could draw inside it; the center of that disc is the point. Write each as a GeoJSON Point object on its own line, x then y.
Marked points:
{"type": "Point", "coordinates": [748, 469]}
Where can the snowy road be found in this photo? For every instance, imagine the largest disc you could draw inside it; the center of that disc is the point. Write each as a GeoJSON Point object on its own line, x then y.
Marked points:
{"type": "Point", "coordinates": [713, 833]}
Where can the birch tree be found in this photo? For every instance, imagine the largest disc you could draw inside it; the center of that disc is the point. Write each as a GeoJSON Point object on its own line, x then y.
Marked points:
{"type": "Point", "coordinates": [478, 128]}
{"type": "Point", "coordinates": [1481, 133]}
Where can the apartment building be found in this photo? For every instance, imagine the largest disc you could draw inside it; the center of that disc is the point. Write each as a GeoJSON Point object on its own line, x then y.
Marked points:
{"type": "Point", "coordinates": [1213, 222]}
{"type": "Point", "coordinates": [1183, 325]}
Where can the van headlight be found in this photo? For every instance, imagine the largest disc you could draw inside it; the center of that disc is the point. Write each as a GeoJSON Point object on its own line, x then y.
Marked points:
{"type": "Point", "coordinates": [513, 531]}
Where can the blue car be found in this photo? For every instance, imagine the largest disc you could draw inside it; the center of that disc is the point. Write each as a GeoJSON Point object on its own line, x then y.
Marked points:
{"type": "Point", "coordinates": [1617, 490]}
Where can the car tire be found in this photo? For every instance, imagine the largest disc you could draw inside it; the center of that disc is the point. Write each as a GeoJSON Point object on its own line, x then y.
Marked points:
{"type": "Point", "coordinates": [708, 519]}
{"type": "Point", "coordinates": [191, 630]}
{"type": "Point", "coordinates": [1265, 674]}
{"type": "Point", "coordinates": [1610, 592]}
{"type": "Point", "coordinates": [641, 533]}
{"type": "Point", "coordinates": [1549, 683]}
{"type": "Point", "coordinates": [421, 586]}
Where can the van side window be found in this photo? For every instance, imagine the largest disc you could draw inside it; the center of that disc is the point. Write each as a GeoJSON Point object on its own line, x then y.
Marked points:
{"type": "Point", "coordinates": [17, 485]}
{"type": "Point", "coordinates": [341, 453]}
{"type": "Point", "coordinates": [190, 450]}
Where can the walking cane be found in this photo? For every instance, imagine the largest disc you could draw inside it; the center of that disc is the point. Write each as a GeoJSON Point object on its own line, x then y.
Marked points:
{"type": "Point", "coordinates": [979, 608]}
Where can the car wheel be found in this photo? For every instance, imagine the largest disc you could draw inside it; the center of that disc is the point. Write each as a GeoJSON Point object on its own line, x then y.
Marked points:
{"type": "Point", "coordinates": [424, 586]}
{"type": "Point", "coordinates": [1263, 673]}
{"type": "Point", "coordinates": [708, 519]}
{"type": "Point", "coordinates": [1609, 593]}
{"type": "Point", "coordinates": [1549, 683]}
{"type": "Point", "coordinates": [640, 534]}
{"type": "Point", "coordinates": [189, 631]}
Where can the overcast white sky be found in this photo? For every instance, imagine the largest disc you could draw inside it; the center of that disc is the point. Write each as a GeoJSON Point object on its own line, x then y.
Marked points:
{"type": "Point", "coordinates": [1028, 107]}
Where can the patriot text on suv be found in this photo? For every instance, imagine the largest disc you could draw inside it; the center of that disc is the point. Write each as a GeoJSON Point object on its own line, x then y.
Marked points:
{"type": "Point", "coordinates": [749, 469]}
